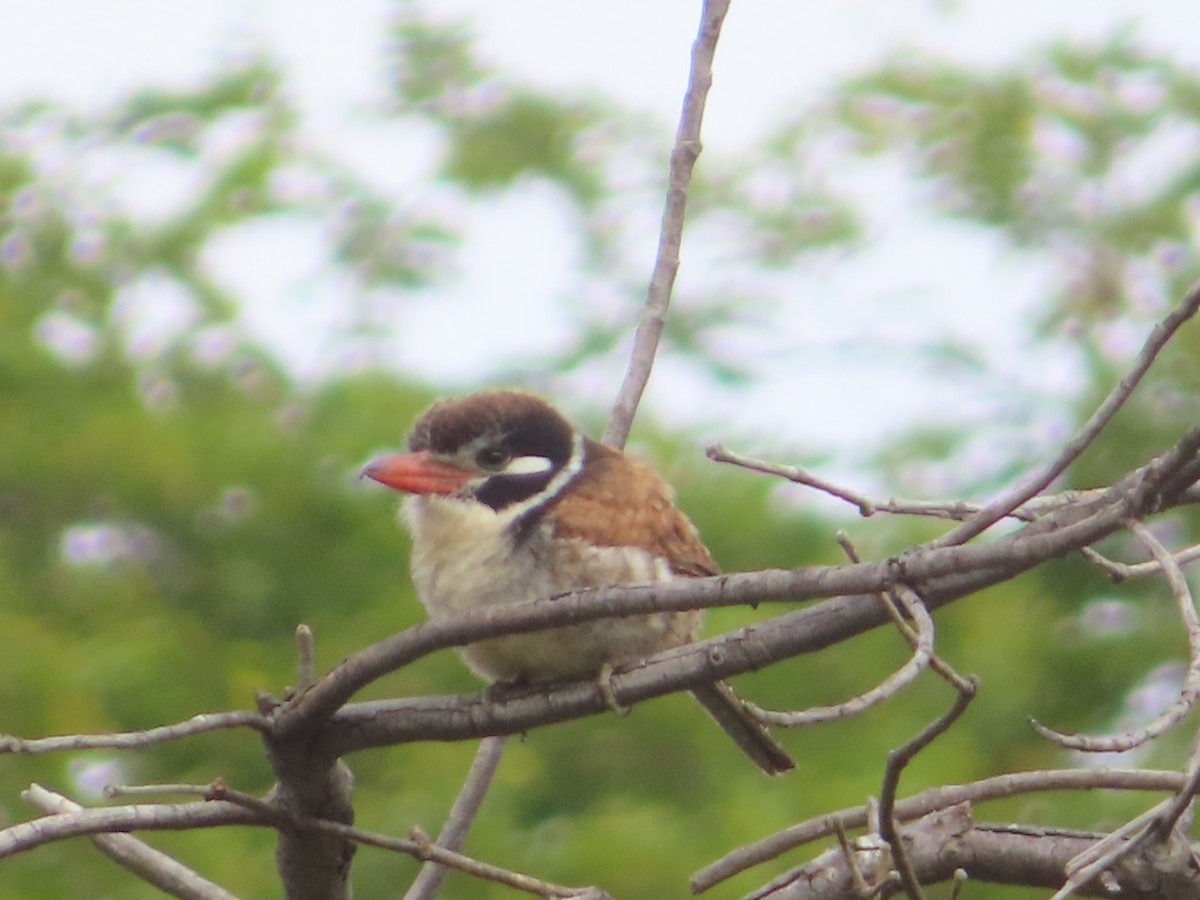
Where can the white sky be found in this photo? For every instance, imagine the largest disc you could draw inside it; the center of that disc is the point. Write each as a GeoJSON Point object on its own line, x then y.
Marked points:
{"type": "Point", "coordinates": [774, 55]}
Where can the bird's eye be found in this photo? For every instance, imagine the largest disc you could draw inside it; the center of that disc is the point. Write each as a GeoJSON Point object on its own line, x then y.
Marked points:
{"type": "Point", "coordinates": [491, 458]}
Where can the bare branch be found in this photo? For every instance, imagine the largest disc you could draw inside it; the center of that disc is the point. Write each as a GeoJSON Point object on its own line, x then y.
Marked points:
{"type": "Point", "coordinates": [129, 740]}
{"type": "Point", "coordinates": [179, 817]}
{"type": "Point", "coordinates": [425, 850]}
{"type": "Point", "coordinates": [798, 474]}
{"type": "Point", "coordinates": [257, 811]}
{"type": "Point", "coordinates": [889, 687]}
{"type": "Point", "coordinates": [995, 788]}
{"type": "Point", "coordinates": [150, 865]}
{"type": "Point", "coordinates": [897, 761]}
{"type": "Point", "coordinates": [1106, 853]}
{"type": "Point", "coordinates": [1159, 826]}
{"type": "Point", "coordinates": [949, 840]}
{"type": "Point", "coordinates": [1119, 572]}
{"type": "Point", "coordinates": [1007, 502]}
{"type": "Point", "coordinates": [306, 665]}
{"type": "Point", "coordinates": [1173, 816]}
{"type": "Point", "coordinates": [954, 510]}
{"type": "Point", "coordinates": [666, 263]}
{"type": "Point", "coordinates": [1191, 689]}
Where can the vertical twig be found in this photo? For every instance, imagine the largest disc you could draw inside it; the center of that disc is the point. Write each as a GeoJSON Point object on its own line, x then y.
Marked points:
{"type": "Point", "coordinates": [896, 762]}
{"type": "Point", "coordinates": [306, 658]}
{"type": "Point", "coordinates": [666, 263]}
{"type": "Point", "coordinates": [462, 814]}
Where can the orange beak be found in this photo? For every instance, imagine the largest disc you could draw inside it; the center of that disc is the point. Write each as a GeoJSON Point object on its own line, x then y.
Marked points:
{"type": "Point", "coordinates": [417, 473]}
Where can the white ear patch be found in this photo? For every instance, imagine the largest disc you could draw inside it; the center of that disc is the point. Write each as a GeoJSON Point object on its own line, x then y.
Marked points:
{"type": "Point", "coordinates": [528, 465]}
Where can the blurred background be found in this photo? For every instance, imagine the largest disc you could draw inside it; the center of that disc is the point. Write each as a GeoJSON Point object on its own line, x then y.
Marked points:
{"type": "Point", "coordinates": [243, 245]}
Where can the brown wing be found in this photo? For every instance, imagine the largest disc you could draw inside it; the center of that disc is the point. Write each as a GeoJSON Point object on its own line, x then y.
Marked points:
{"type": "Point", "coordinates": [618, 501]}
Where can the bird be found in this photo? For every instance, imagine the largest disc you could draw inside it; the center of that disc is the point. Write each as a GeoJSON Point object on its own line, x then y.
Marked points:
{"type": "Point", "coordinates": [508, 502]}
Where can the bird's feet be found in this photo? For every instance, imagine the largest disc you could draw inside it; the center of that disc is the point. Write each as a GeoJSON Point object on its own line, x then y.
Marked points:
{"type": "Point", "coordinates": [604, 682]}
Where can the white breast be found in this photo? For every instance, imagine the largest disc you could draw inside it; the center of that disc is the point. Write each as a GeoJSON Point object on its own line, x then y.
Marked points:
{"type": "Point", "coordinates": [464, 558]}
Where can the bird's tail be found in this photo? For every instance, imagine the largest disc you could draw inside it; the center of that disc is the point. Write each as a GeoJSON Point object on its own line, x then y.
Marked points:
{"type": "Point", "coordinates": [719, 700]}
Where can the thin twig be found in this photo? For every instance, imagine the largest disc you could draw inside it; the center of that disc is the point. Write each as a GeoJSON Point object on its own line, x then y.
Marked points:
{"type": "Point", "coordinates": [1105, 853]}
{"type": "Point", "coordinates": [424, 850]}
{"type": "Point", "coordinates": [960, 879]}
{"type": "Point", "coordinates": [25, 836]}
{"type": "Point", "coordinates": [856, 877]}
{"type": "Point", "coordinates": [797, 474]}
{"type": "Point", "coordinates": [127, 740]}
{"type": "Point", "coordinates": [921, 639]}
{"type": "Point", "coordinates": [914, 603]}
{"type": "Point", "coordinates": [1011, 500]}
{"type": "Point", "coordinates": [1178, 805]}
{"type": "Point", "coordinates": [1186, 700]}
{"type": "Point", "coordinates": [1119, 571]}
{"type": "Point", "coordinates": [462, 814]}
{"type": "Point", "coordinates": [897, 760]}
{"type": "Point", "coordinates": [306, 665]}
{"type": "Point", "coordinates": [954, 510]}
{"type": "Point", "coordinates": [889, 687]}
{"type": "Point", "coordinates": [666, 263]}
{"type": "Point", "coordinates": [887, 599]}
{"type": "Point", "coordinates": [867, 850]}
{"type": "Point", "coordinates": [1159, 823]}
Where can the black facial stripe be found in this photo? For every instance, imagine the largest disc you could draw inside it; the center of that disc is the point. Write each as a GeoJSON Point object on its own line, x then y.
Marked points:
{"type": "Point", "coordinates": [501, 491]}
{"type": "Point", "coordinates": [524, 525]}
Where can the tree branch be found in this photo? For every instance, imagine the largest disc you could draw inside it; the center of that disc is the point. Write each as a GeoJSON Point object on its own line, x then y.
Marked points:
{"type": "Point", "coordinates": [897, 761]}
{"type": "Point", "coordinates": [130, 740]}
{"type": "Point", "coordinates": [949, 840]}
{"type": "Point", "coordinates": [666, 262]}
{"type": "Point", "coordinates": [922, 643]}
{"type": "Point", "coordinates": [1185, 702]}
{"type": "Point", "coordinates": [145, 817]}
{"type": "Point", "coordinates": [153, 866]}
{"type": "Point", "coordinates": [996, 788]}
{"type": "Point", "coordinates": [942, 574]}
{"type": "Point", "coordinates": [1007, 502]}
